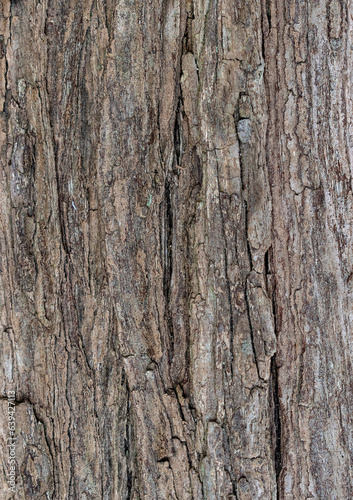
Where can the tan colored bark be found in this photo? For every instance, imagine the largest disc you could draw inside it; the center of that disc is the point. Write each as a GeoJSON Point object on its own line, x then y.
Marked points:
{"type": "Point", "coordinates": [175, 237]}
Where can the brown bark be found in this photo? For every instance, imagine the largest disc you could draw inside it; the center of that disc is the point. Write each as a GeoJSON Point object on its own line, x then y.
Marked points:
{"type": "Point", "coordinates": [175, 238]}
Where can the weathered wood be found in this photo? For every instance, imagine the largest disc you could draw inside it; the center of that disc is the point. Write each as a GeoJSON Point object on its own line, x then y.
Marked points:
{"type": "Point", "coordinates": [175, 236]}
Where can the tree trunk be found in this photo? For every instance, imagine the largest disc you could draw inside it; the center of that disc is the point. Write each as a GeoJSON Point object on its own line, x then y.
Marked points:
{"type": "Point", "coordinates": [176, 242]}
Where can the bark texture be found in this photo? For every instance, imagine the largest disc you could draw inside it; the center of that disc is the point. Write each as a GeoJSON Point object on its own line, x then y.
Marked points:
{"type": "Point", "coordinates": [176, 248]}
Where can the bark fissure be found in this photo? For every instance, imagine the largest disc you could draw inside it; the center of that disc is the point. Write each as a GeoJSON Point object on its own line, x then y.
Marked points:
{"type": "Point", "coordinates": [168, 259]}
{"type": "Point", "coordinates": [277, 422]}
{"type": "Point", "coordinates": [229, 291]}
{"type": "Point", "coordinates": [245, 205]}
{"type": "Point", "coordinates": [128, 446]}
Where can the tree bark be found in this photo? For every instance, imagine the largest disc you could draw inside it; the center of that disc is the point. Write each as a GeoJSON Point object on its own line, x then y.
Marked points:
{"type": "Point", "coordinates": [176, 242]}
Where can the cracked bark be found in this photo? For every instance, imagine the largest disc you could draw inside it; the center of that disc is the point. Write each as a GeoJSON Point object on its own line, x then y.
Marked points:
{"type": "Point", "coordinates": [175, 293]}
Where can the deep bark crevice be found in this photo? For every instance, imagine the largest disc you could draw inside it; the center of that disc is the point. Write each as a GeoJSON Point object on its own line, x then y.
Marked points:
{"type": "Point", "coordinates": [168, 260]}
{"type": "Point", "coordinates": [276, 422]}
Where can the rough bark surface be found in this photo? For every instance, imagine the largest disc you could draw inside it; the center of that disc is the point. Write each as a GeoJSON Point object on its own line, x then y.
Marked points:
{"type": "Point", "coordinates": [176, 248]}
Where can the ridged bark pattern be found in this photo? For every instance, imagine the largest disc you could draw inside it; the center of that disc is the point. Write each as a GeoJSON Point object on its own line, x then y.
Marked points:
{"type": "Point", "coordinates": [176, 248]}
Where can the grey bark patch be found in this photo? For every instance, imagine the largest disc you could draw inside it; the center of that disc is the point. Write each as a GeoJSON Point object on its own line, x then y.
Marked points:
{"type": "Point", "coordinates": [335, 43]}
{"type": "Point", "coordinates": [244, 130]}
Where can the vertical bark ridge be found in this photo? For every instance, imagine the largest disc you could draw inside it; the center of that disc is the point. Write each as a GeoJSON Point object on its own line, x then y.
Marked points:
{"type": "Point", "coordinates": [309, 175]}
